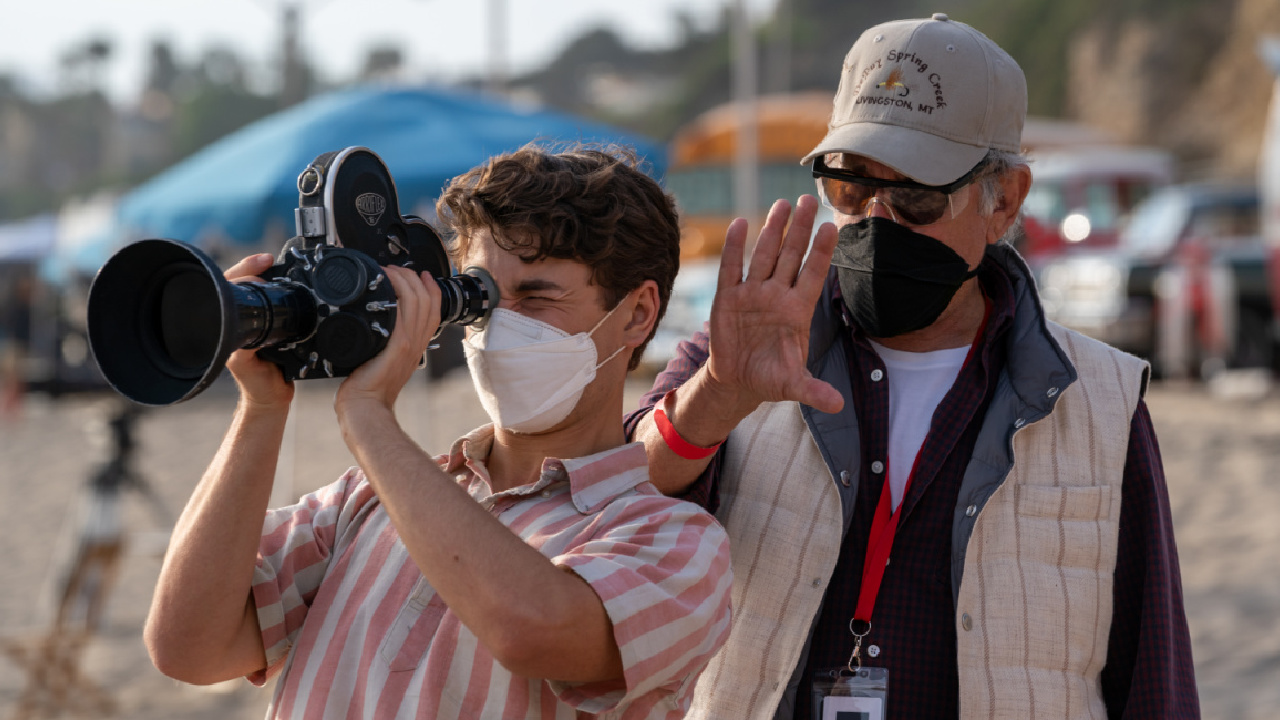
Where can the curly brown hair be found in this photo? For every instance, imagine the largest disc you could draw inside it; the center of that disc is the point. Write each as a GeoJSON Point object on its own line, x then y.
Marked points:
{"type": "Point", "coordinates": [592, 204]}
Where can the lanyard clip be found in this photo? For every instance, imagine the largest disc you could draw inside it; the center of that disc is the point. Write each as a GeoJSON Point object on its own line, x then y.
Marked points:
{"type": "Point", "coordinates": [854, 626]}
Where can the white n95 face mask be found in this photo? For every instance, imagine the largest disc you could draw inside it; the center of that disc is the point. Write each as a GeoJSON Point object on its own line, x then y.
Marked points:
{"type": "Point", "coordinates": [529, 374]}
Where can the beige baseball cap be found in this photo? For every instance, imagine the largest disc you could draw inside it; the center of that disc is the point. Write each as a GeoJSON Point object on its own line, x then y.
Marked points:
{"type": "Point", "coordinates": [928, 98]}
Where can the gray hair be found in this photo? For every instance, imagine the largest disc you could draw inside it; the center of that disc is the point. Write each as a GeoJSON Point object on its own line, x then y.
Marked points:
{"type": "Point", "coordinates": [997, 163]}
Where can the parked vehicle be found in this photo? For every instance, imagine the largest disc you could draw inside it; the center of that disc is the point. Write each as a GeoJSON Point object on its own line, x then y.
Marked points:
{"type": "Point", "coordinates": [1185, 286]}
{"type": "Point", "coordinates": [702, 155]}
{"type": "Point", "coordinates": [1082, 195]}
{"type": "Point", "coordinates": [1269, 185]}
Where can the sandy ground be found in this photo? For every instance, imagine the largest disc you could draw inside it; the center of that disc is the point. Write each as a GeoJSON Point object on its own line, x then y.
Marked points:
{"type": "Point", "coordinates": [1221, 457]}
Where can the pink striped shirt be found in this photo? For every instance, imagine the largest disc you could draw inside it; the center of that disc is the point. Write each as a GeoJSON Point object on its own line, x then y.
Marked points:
{"type": "Point", "coordinates": [358, 632]}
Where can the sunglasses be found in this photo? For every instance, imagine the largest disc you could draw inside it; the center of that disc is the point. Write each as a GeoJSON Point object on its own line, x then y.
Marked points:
{"type": "Point", "coordinates": [850, 194]}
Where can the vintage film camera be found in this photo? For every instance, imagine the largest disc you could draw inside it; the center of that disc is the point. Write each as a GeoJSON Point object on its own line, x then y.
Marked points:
{"type": "Point", "coordinates": [162, 321]}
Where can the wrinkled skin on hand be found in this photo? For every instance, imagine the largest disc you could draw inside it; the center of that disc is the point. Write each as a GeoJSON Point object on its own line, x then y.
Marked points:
{"type": "Point", "coordinates": [760, 322]}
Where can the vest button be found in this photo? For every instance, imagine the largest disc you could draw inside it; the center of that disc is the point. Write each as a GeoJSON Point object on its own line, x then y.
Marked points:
{"type": "Point", "coordinates": [1052, 391]}
{"type": "Point", "coordinates": [971, 511]}
{"type": "Point", "coordinates": [966, 622]}
{"type": "Point", "coordinates": [844, 478]}
{"type": "Point", "coordinates": [877, 375]}
{"type": "Point", "coordinates": [1019, 423]}
{"type": "Point", "coordinates": [877, 467]}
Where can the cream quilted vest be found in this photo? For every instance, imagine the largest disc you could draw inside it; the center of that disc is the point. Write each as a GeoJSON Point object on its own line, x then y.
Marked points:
{"type": "Point", "coordinates": [1034, 604]}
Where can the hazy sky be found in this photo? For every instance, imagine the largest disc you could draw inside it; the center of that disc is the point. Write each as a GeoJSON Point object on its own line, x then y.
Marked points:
{"type": "Point", "coordinates": [441, 39]}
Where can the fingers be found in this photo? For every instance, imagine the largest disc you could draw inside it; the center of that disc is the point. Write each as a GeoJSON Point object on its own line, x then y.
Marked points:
{"type": "Point", "coordinates": [781, 246]}
{"type": "Point", "coordinates": [251, 266]}
{"type": "Point", "coordinates": [735, 239]}
{"type": "Point", "coordinates": [796, 242]}
{"type": "Point", "coordinates": [765, 254]}
{"type": "Point", "coordinates": [814, 273]}
{"type": "Point", "coordinates": [819, 395]}
{"type": "Point", "coordinates": [416, 314]}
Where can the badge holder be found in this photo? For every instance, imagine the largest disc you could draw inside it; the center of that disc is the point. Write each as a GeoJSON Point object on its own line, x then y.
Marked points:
{"type": "Point", "coordinates": [852, 692]}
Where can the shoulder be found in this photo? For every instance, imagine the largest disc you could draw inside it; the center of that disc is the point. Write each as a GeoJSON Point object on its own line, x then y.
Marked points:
{"type": "Point", "coordinates": [645, 512]}
{"type": "Point", "coordinates": [1096, 361]}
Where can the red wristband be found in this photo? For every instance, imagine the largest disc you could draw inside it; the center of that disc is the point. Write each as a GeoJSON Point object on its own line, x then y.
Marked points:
{"type": "Point", "coordinates": [678, 445]}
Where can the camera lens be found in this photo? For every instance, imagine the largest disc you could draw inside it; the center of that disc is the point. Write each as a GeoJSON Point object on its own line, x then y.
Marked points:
{"type": "Point", "coordinates": [466, 299]}
{"type": "Point", "coordinates": [162, 321]}
{"type": "Point", "coordinates": [339, 278]}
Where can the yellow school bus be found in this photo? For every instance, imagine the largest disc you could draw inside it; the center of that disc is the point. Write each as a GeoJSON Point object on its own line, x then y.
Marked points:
{"type": "Point", "coordinates": [700, 168]}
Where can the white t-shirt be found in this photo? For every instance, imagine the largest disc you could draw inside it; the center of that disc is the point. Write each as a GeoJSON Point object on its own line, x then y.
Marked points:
{"type": "Point", "coordinates": [917, 383]}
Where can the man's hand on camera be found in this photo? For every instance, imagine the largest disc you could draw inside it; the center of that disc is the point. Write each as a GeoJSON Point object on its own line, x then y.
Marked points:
{"type": "Point", "coordinates": [261, 383]}
{"type": "Point", "coordinates": [381, 379]}
{"type": "Point", "coordinates": [760, 322]}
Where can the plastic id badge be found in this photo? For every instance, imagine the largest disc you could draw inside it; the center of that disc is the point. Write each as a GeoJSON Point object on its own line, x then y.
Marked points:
{"type": "Point", "coordinates": [842, 694]}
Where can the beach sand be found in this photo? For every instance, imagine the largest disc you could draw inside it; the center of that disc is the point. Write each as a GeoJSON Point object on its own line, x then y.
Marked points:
{"type": "Point", "coordinates": [1221, 457]}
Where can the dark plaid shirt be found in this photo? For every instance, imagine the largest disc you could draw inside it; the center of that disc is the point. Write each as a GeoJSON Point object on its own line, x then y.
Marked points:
{"type": "Point", "coordinates": [1148, 673]}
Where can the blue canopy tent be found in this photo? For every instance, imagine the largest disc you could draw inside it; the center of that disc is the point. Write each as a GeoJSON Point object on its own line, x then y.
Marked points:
{"type": "Point", "coordinates": [236, 189]}
{"type": "Point", "coordinates": [28, 241]}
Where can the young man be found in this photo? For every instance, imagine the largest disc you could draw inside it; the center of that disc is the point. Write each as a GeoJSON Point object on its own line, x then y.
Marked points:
{"type": "Point", "coordinates": [532, 572]}
{"type": "Point", "coordinates": [919, 473]}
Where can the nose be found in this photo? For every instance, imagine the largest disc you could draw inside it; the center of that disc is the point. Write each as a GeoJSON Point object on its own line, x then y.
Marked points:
{"type": "Point", "coordinates": [875, 207]}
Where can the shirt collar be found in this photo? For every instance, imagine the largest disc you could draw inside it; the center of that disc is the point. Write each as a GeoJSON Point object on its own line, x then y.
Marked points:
{"type": "Point", "coordinates": [594, 480]}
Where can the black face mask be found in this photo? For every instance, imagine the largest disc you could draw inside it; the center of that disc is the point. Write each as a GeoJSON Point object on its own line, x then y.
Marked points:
{"type": "Point", "coordinates": [894, 280]}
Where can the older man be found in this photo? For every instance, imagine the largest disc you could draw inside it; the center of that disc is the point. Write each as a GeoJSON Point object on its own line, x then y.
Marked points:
{"type": "Point", "coordinates": [921, 476]}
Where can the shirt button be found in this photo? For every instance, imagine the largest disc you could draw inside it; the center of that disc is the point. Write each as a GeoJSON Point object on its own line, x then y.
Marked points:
{"type": "Point", "coordinates": [966, 622]}
{"type": "Point", "coordinates": [877, 375]}
{"type": "Point", "coordinates": [546, 493]}
{"type": "Point", "coordinates": [877, 467]}
{"type": "Point", "coordinates": [844, 478]}
{"type": "Point", "coordinates": [971, 511]}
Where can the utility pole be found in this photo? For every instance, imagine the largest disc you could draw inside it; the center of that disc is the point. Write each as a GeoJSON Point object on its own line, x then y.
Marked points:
{"type": "Point", "coordinates": [746, 168]}
{"type": "Point", "coordinates": [293, 69]}
{"type": "Point", "coordinates": [779, 69]}
{"type": "Point", "coordinates": [497, 80]}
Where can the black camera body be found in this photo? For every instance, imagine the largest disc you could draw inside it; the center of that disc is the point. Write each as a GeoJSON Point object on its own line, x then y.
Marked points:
{"type": "Point", "coordinates": [162, 320]}
{"type": "Point", "coordinates": [347, 229]}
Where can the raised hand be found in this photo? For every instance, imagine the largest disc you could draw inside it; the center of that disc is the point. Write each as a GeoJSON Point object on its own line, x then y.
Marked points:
{"type": "Point", "coordinates": [760, 322]}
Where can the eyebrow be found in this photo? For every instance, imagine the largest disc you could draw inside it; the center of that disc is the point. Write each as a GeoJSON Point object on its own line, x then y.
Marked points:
{"type": "Point", "coordinates": [537, 285]}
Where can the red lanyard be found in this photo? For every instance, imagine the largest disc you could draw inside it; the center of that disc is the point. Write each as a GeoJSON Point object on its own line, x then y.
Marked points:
{"type": "Point", "coordinates": [885, 524]}
{"type": "Point", "coordinates": [883, 528]}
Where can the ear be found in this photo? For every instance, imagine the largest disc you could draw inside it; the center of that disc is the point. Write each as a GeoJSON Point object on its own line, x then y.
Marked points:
{"type": "Point", "coordinates": [644, 316]}
{"type": "Point", "coordinates": [1013, 187]}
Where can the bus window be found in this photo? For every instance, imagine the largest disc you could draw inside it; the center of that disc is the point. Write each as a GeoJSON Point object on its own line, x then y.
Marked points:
{"type": "Point", "coordinates": [700, 171]}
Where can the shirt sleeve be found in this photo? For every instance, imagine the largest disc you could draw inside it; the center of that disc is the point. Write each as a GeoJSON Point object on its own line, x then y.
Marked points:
{"type": "Point", "coordinates": [297, 544]}
{"type": "Point", "coordinates": [691, 355]}
{"type": "Point", "coordinates": [661, 568]}
{"type": "Point", "coordinates": [1149, 672]}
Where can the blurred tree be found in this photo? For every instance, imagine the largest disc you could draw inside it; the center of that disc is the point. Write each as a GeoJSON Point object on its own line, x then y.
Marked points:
{"type": "Point", "coordinates": [215, 101]}
{"type": "Point", "coordinates": [381, 62]}
{"type": "Point", "coordinates": [1106, 61]}
{"type": "Point", "coordinates": [163, 70]}
{"type": "Point", "coordinates": [83, 65]}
